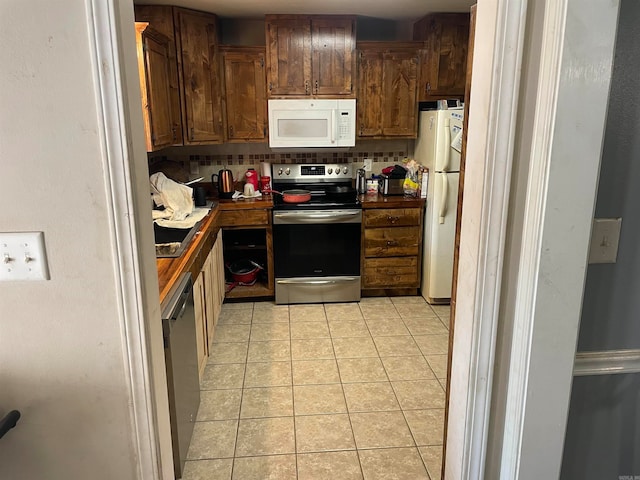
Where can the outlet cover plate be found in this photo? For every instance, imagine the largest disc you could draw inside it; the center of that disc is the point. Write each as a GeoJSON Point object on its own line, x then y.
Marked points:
{"type": "Point", "coordinates": [23, 256]}
{"type": "Point", "coordinates": [367, 164]}
{"type": "Point", "coordinates": [605, 237]}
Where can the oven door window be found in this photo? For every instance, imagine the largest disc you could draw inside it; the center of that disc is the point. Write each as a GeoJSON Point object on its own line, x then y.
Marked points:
{"type": "Point", "coordinates": [316, 250]}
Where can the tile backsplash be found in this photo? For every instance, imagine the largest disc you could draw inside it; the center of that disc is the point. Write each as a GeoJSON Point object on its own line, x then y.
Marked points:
{"type": "Point", "coordinates": [176, 162]}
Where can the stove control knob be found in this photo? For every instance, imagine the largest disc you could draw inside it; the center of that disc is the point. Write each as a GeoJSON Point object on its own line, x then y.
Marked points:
{"type": "Point", "coordinates": [279, 171]}
{"type": "Point", "coordinates": [288, 171]}
{"type": "Point", "coordinates": [329, 170]}
{"type": "Point", "coordinates": [338, 171]}
{"type": "Point", "coordinates": [345, 170]}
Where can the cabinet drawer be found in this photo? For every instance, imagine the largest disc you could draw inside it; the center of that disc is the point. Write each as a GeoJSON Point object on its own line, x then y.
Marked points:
{"type": "Point", "coordinates": [234, 218]}
{"type": "Point", "coordinates": [391, 242]}
{"type": "Point", "coordinates": [391, 272]}
{"type": "Point", "coordinates": [392, 217]}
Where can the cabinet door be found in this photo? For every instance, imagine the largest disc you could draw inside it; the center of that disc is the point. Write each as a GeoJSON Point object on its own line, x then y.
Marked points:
{"type": "Point", "coordinates": [201, 333]}
{"type": "Point", "coordinates": [156, 68]}
{"type": "Point", "coordinates": [245, 94]}
{"type": "Point", "coordinates": [219, 269]}
{"type": "Point", "coordinates": [370, 93]}
{"type": "Point", "coordinates": [445, 58]}
{"type": "Point", "coordinates": [399, 81]}
{"type": "Point", "coordinates": [200, 77]}
{"type": "Point", "coordinates": [333, 56]}
{"type": "Point", "coordinates": [288, 56]}
{"type": "Point", "coordinates": [210, 298]}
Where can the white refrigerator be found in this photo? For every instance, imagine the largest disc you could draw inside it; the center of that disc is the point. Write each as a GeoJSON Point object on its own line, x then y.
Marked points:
{"type": "Point", "coordinates": [438, 148]}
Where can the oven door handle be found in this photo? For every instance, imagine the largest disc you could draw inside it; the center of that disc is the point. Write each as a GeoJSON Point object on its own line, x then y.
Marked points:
{"type": "Point", "coordinates": [284, 218]}
{"type": "Point", "coordinates": [316, 282]}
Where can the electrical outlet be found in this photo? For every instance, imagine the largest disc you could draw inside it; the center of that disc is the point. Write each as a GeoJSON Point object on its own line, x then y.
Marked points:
{"type": "Point", "coordinates": [23, 256]}
{"type": "Point", "coordinates": [194, 167]}
{"type": "Point", "coordinates": [605, 237]}
{"type": "Point", "coordinates": [367, 164]}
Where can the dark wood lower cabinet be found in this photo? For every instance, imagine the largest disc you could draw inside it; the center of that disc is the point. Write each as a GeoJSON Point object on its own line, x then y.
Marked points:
{"type": "Point", "coordinates": [248, 235]}
{"type": "Point", "coordinates": [392, 248]}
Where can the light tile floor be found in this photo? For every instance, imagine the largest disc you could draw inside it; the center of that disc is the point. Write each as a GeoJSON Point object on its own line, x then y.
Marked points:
{"type": "Point", "coordinates": [335, 391]}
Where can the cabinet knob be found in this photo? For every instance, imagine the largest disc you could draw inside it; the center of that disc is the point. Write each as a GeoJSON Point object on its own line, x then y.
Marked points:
{"type": "Point", "coordinates": [393, 219]}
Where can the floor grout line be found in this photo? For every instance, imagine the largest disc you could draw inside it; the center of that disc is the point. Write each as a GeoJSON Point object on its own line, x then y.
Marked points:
{"type": "Point", "coordinates": [346, 405]}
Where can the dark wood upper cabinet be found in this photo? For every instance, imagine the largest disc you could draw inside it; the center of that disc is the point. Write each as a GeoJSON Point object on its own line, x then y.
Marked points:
{"type": "Point", "coordinates": [288, 55]}
{"type": "Point", "coordinates": [245, 93]}
{"type": "Point", "coordinates": [444, 62]}
{"type": "Point", "coordinates": [310, 55]}
{"type": "Point", "coordinates": [199, 73]}
{"type": "Point", "coordinates": [333, 56]}
{"type": "Point", "coordinates": [160, 103]}
{"type": "Point", "coordinates": [387, 82]}
{"type": "Point", "coordinates": [370, 98]}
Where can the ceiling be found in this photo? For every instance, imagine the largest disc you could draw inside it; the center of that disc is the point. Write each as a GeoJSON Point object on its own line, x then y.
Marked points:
{"type": "Point", "coordinates": [387, 9]}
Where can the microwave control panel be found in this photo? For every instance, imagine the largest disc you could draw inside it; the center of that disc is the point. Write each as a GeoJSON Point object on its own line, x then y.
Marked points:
{"type": "Point", "coordinates": [344, 124]}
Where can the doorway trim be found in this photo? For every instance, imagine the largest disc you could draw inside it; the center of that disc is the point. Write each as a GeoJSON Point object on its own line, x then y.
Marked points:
{"type": "Point", "coordinates": [482, 237]}
{"type": "Point", "coordinates": [495, 88]}
{"type": "Point", "coordinates": [104, 22]}
{"type": "Point", "coordinates": [576, 62]}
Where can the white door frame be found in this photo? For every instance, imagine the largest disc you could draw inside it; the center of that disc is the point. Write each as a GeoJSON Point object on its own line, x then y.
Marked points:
{"type": "Point", "coordinates": [121, 131]}
{"type": "Point", "coordinates": [496, 82]}
{"type": "Point", "coordinates": [574, 76]}
{"type": "Point", "coordinates": [497, 59]}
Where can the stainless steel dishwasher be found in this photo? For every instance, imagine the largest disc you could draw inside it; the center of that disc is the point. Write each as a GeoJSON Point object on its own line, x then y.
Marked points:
{"type": "Point", "coordinates": [179, 330]}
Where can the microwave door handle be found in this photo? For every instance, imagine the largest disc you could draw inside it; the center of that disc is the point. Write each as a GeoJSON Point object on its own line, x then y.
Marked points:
{"type": "Point", "coordinates": [333, 126]}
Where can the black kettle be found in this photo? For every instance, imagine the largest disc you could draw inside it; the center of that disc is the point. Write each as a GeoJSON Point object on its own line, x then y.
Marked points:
{"type": "Point", "coordinates": [224, 180]}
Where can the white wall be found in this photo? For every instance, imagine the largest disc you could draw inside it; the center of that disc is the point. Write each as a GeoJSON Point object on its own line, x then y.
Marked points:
{"type": "Point", "coordinates": [62, 354]}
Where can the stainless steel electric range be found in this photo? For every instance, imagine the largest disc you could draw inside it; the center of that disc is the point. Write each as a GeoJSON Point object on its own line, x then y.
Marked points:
{"type": "Point", "coordinates": [316, 243]}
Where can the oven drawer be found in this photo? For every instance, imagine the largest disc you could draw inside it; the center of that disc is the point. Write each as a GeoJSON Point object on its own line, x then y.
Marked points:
{"type": "Point", "coordinates": [392, 217]}
{"type": "Point", "coordinates": [237, 218]}
{"type": "Point", "coordinates": [391, 242]}
{"type": "Point", "coordinates": [395, 272]}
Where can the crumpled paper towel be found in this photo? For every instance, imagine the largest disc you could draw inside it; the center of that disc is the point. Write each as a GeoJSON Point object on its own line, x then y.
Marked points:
{"type": "Point", "coordinates": [176, 198]}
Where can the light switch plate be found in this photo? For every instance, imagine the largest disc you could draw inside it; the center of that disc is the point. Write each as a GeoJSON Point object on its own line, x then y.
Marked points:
{"type": "Point", "coordinates": [605, 237]}
{"type": "Point", "coordinates": [367, 164]}
{"type": "Point", "coordinates": [194, 167]}
{"type": "Point", "coordinates": [23, 256]}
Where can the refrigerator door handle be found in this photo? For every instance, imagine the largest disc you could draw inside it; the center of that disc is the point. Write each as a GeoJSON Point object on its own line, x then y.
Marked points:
{"type": "Point", "coordinates": [443, 199]}
{"type": "Point", "coordinates": [447, 144]}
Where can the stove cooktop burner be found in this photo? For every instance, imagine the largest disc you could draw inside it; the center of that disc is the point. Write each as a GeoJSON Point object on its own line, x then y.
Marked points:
{"type": "Point", "coordinates": [330, 185]}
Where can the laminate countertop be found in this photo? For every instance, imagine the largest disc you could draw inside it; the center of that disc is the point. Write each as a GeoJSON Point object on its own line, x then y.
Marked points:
{"type": "Point", "coordinates": [170, 269]}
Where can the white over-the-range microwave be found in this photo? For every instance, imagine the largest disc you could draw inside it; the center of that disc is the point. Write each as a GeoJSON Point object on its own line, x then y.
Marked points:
{"type": "Point", "coordinates": [301, 123]}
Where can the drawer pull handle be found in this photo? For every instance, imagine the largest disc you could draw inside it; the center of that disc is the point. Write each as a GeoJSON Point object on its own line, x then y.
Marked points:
{"type": "Point", "coordinates": [392, 219]}
{"type": "Point", "coordinates": [392, 243]}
